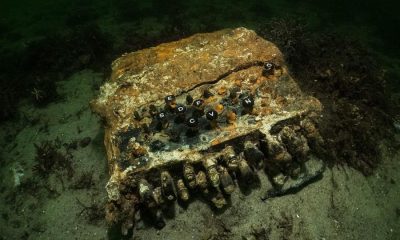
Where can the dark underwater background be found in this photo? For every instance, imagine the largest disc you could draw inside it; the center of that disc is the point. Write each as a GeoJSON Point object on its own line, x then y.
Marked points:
{"type": "Point", "coordinates": [42, 39]}
{"type": "Point", "coordinates": [54, 56]}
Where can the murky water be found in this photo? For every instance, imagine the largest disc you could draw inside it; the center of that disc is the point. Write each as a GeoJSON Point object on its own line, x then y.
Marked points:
{"type": "Point", "coordinates": [54, 55]}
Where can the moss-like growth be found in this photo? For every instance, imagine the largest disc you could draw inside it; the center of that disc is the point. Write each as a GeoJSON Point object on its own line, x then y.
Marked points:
{"type": "Point", "coordinates": [50, 159]}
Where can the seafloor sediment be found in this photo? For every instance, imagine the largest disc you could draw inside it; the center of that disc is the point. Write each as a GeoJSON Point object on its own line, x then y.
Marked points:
{"type": "Point", "coordinates": [343, 205]}
{"type": "Point", "coordinates": [53, 165]}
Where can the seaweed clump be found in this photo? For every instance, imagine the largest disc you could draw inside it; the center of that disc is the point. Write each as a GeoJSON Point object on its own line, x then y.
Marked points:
{"type": "Point", "coordinates": [345, 76]}
{"type": "Point", "coordinates": [50, 159]}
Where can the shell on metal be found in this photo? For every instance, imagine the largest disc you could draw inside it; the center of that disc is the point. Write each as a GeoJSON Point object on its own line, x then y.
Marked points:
{"type": "Point", "coordinates": [145, 190]}
{"type": "Point", "coordinates": [230, 158]}
{"type": "Point", "coordinates": [295, 142]}
{"type": "Point", "coordinates": [189, 175]}
{"type": "Point", "coordinates": [201, 180]}
{"type": "Point", "coordinates": [277, 152]}
{"type": "Point", "coordinates": [246, 172]}
{"type": "Point", "coordinates": [158, 196]}
{"type": "Point", "coordinates": [253, 155]}
{"type": "Point", "coordinates": [227, 182]}
{"type": "Point", "coordinates": [168, 186]}
{"type": "Point", "coordinates": [210, 164]}
{"type": "Point", "coordinates": [183, 192]}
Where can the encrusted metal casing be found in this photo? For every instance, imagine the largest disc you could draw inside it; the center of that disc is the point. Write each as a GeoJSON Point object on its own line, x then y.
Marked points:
{"type": "Point", "coordinates": [178, 106]}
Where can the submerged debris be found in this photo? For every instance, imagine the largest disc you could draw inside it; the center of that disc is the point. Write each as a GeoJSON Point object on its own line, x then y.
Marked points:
{"type": "Point", "coordinates": [208, 131]}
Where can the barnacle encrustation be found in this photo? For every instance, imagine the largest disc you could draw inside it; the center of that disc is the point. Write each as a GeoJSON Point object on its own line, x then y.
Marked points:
{"type": "Point", "coordinates": [202, 114]}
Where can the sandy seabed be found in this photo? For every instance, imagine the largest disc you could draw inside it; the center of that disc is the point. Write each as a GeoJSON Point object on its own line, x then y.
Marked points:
{"type": "Point", "coordinates": [343, 205]}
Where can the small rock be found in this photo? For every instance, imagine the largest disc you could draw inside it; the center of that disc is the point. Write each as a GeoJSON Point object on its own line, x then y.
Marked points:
{"type": "Point", "coordinates": [72, 145]}
{"type": "Point", "coordinates": [85, 141]}
{"type": "Point", "coordinates": [279, 180]}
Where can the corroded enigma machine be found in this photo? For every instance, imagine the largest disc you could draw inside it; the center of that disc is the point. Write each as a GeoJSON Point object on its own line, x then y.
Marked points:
{"type": "Point", "coordinates": [201, 115]}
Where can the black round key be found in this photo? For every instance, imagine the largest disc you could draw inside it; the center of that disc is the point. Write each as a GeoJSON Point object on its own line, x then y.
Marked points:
{"type": "Point", "coordinates": [192, 122]}
{"type": "Point", "coordinates": [180, 109]}
{"type": "Point", "coordinates": [211, 115]}
{"type": "Point", "coordinates": [248, 102]}
{"type": "Point", "coordinates": [162, 116]}
{"type": "Point", "coordinates": [268, 68]}
{"type": "Point", "coordinates": [168, 99]}
{"type": "Point", "coordinates": [198, 103]}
